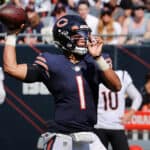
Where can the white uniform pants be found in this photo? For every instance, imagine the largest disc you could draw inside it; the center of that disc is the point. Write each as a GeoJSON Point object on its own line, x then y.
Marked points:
{"type": "Point", "coordinates": [75, 141]}
{"type": "Point", "coordinates": [92, 143]}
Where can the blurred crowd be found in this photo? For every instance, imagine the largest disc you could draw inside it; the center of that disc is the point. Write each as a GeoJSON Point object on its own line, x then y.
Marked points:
{"type": "Point", "coordinates": [116, 21]}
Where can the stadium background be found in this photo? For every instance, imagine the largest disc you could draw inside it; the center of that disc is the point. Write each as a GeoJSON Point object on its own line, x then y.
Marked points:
{"type": "Point", "coordinates": [29, 107]}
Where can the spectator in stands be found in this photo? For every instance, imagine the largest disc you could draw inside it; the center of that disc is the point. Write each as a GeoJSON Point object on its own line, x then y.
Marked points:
{"type": "Point", "coordinates": [111, 110]}
{"type": "Point", "coordinates": [33, 31]}
{"type": "Point", "coordinates": [2, 2]}
{"type": "Point", "coordinates": [114, 6]}
{"type": "Point", "coordinates": [43, 7]}
{"type": "Point", "coordinates": [147, 10]}
{"type": "Point", "coordinates": [108, 28]}
{"type": "Point", "coordinates": [135, 27]}
{"type": "Point", "coordinates": [125, 3]}
{"type": "Point", "coordinates": [95, 7]}
{"type": "Point", "coordinates": [120, 8]}
{"type": "Point", "coordinates": [137, 1]}
{"type": "Point", "coordinates": [84, 11]}
{"type": "Point", "coordinates": [29, 4]}
{"type": "Point", "coordinates": [15, 2]}
{"type": "Point", "coordinates": [120, 16]}
{"type": "Point", "coordinates": [71, 4]}
{"type": "Point", "coordinates": [58, 11]}
{"type": "Point", "coordinates": [146, 94]}
{"type": "Point", "coordinates": [55, 1]}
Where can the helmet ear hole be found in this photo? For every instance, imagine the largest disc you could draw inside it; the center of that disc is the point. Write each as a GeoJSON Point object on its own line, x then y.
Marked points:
{"type": "Point", "coordinates": [70, 46]}
{"type": "Point", "coordinates": [63, 30]}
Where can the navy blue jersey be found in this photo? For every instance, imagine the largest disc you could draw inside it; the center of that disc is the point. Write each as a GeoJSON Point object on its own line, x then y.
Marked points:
{"type": "Point", "coordinates": [74, 87]}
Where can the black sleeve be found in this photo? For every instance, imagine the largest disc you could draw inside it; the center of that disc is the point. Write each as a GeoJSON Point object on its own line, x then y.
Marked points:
{"type": "Point", "coordinates": [35, 73]}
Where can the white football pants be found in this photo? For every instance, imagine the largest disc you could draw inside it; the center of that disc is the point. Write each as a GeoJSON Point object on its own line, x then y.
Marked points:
{"type": "Point", "coordinates": [75, 141]}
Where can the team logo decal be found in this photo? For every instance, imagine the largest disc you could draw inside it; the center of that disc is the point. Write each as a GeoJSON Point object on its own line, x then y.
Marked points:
{"type": "Point", "coordinates": [76, 68]}
{"type": "Point", "coordinates": [62, 22]}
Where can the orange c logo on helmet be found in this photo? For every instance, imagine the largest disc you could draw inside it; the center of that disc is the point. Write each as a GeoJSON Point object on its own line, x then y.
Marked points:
{"type": "Point", "coordinates": [62, 22]}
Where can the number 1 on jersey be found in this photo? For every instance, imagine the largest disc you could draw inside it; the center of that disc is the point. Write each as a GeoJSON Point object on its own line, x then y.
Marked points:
{"type": "Point", "coordinates": [81, 92]}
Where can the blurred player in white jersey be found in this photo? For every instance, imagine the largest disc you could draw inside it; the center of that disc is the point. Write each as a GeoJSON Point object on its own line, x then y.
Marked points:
{"type": "Point", "coordinates": [111, 108]}
{"type": "Point", "coordinates": [2, 90]}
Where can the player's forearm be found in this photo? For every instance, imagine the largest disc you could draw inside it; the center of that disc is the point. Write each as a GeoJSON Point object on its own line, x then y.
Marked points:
{"type": "Point", "coordinates": [110, 77]}
{"type": "Point", "coordinates": [130, 113]}
{"type": "Point", "coordinates": [135, 96]}
{"type": "Point", "coordinates": [111, 80]}
{"type": "Point", "coordinates": [128, 116]}
{"type": "Point", "coordinates": [9, 61]}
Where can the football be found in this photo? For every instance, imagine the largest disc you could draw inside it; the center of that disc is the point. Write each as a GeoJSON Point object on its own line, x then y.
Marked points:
{"type": "Point", "coordinates": [12, 16]}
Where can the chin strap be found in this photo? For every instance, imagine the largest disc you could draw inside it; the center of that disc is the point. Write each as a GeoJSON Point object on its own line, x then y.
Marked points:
{"type": "Point", "coordinates": [80, 50]}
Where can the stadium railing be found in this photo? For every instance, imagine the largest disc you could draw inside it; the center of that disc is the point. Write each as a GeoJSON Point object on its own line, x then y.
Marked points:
{"type": "Point", "coordinates": [138, 39]}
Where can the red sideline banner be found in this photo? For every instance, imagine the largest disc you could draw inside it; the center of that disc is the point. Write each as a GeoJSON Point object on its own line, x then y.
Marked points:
{"type": "Point", "coordinates": [140, 121]}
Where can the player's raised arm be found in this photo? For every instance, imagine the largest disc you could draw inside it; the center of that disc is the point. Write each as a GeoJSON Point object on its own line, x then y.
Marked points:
{"type": "Point", "coordinates": [9, 59]}
{"type": "Point", "coordinates": [111, 80]}
{"type": "Point", "coordinates": [109, 76]}
{"type": "Point", "coordinates": [14, 18]}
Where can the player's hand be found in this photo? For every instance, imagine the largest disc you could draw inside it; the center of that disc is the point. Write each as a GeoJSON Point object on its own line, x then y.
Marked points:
{"type": "Point", "coordinates": [127, 116]}
{"type": "Point", "coordinates": [95, 46]}
{"type": "Point", "coordinates": [16, 31]}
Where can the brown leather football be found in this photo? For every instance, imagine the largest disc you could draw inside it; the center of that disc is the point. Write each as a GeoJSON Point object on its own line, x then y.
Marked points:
{"type": "Point", "coordinates": [12, 16]}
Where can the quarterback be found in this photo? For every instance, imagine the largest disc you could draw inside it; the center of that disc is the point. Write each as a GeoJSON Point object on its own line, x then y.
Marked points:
{"type": "Point", "coordinates": [73, 78]}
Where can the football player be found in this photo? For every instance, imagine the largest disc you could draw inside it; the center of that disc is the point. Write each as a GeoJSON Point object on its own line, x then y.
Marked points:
{"type": "Point", "coordinates": [72, 78]}
{"type": "Point", "coordinates": [2, 90]}
{"type": "Point", "coordinates": [111, 110]}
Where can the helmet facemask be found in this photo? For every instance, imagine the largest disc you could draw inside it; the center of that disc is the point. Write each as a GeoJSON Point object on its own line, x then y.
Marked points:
{"type": "Point", "coordinates": [76, 40]}
{"type": "Point", "coordinates": [79, 39]}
